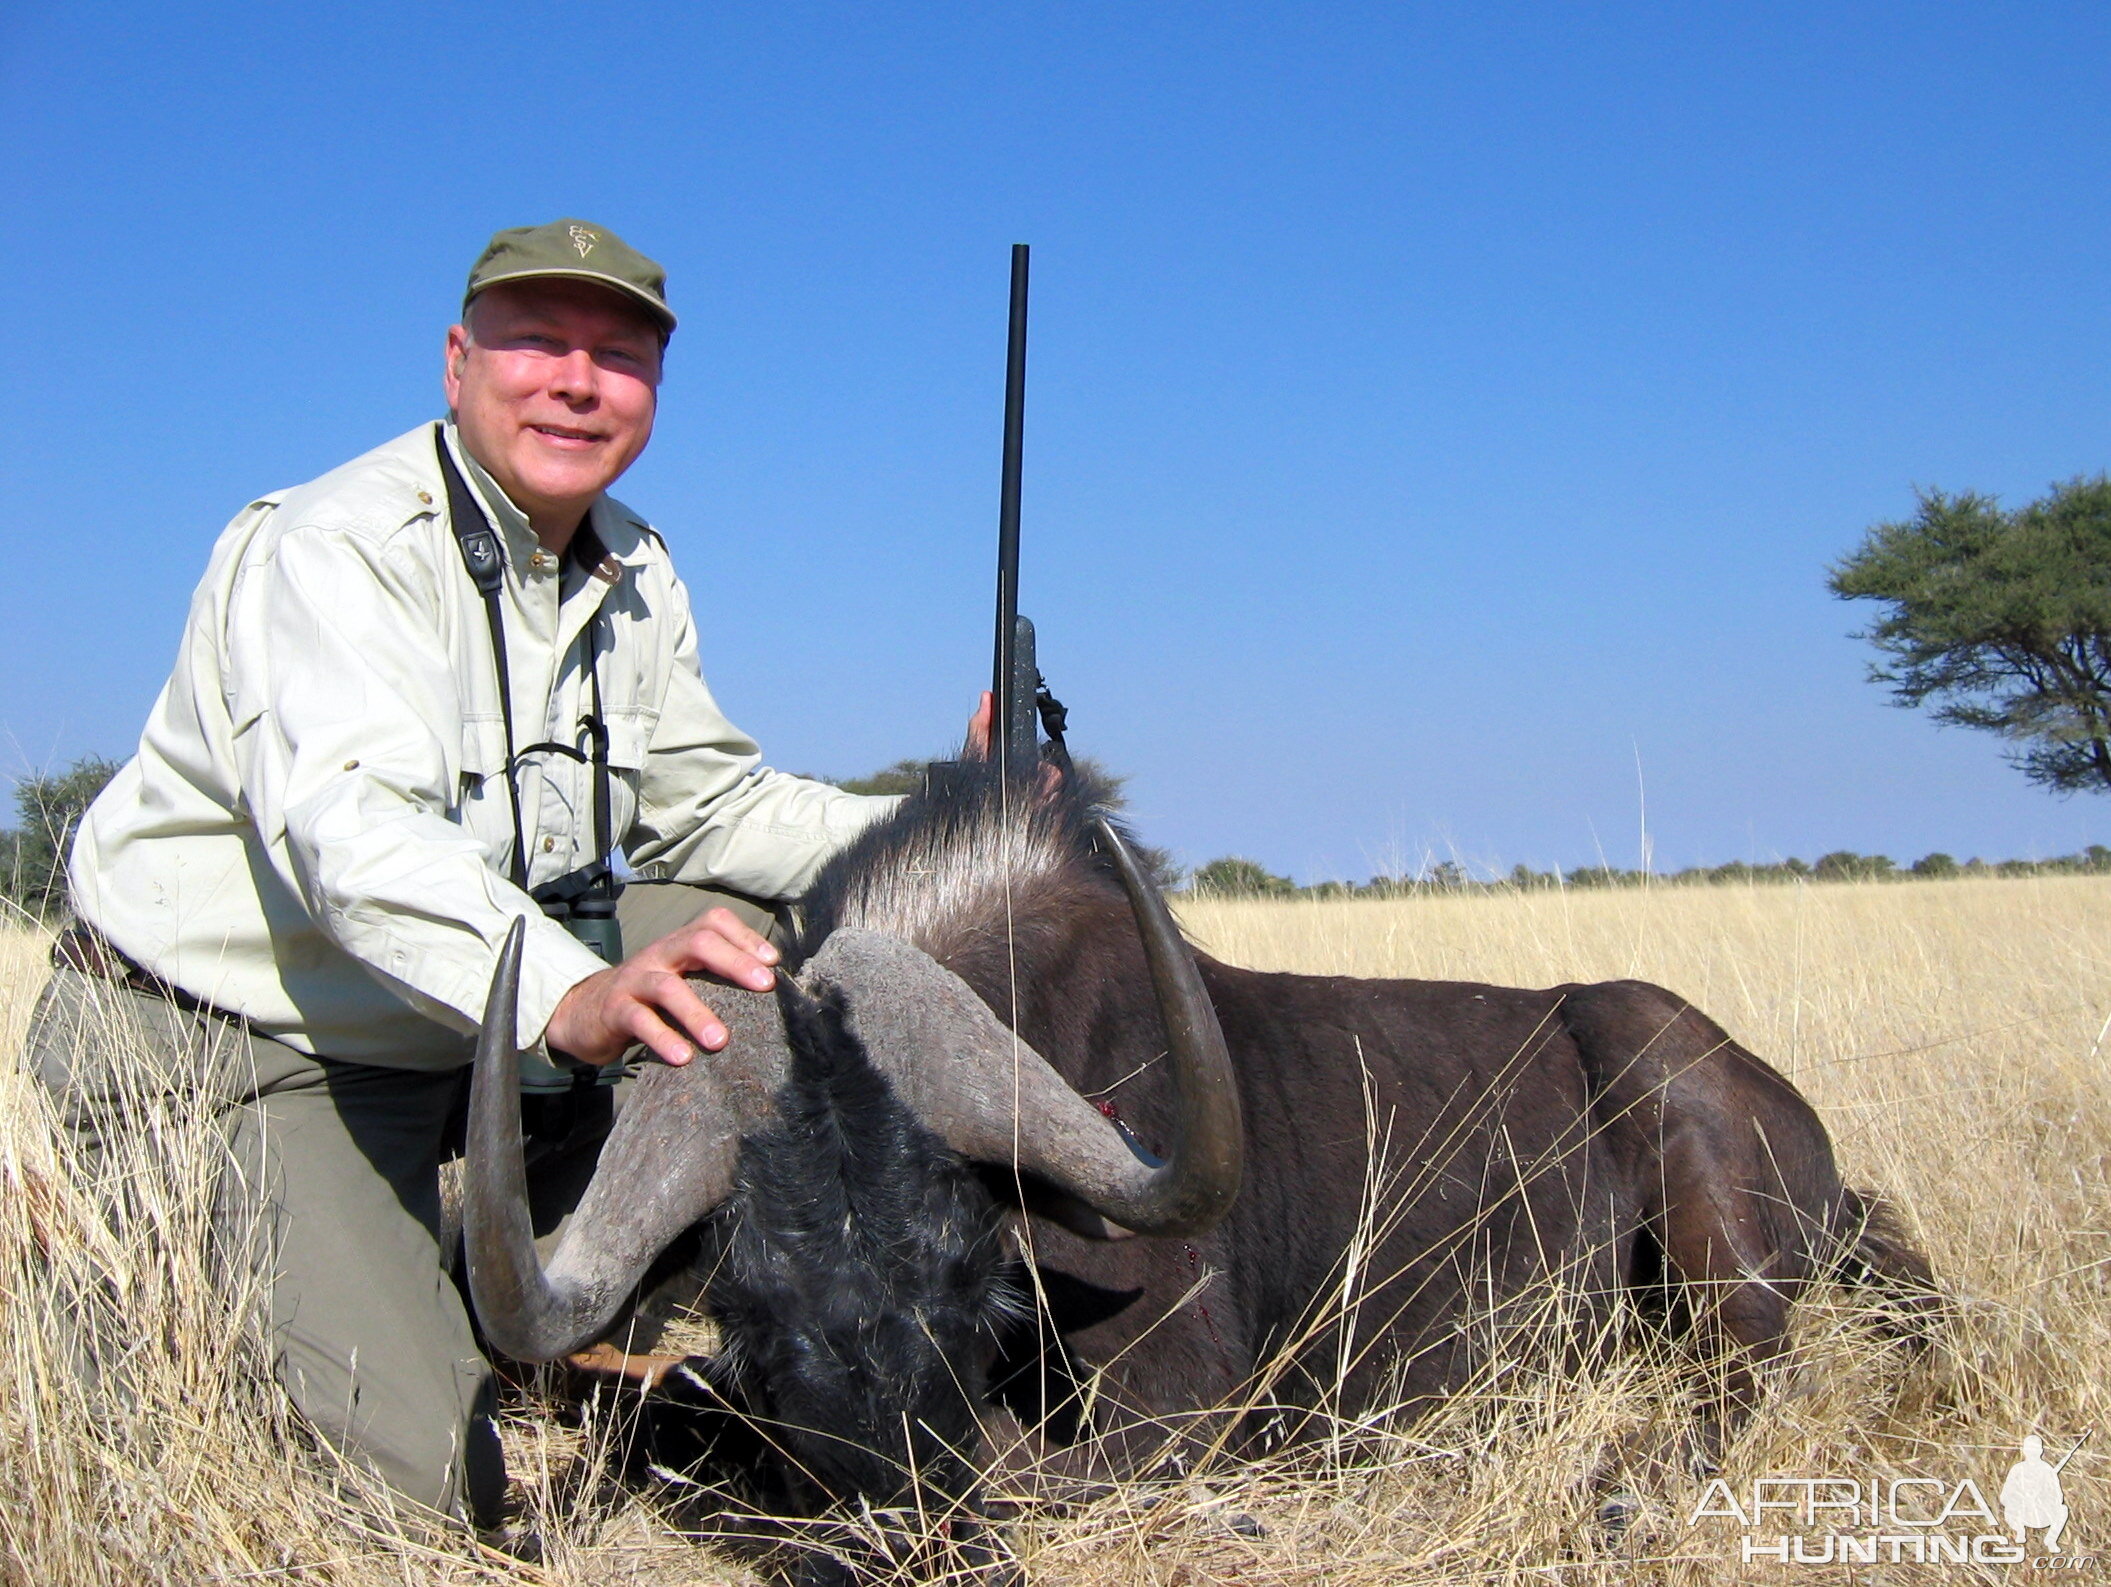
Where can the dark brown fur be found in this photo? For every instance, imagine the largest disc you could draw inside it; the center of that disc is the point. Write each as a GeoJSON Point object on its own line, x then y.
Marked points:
{"type": "Point", "coordinates": [1609, 1135]}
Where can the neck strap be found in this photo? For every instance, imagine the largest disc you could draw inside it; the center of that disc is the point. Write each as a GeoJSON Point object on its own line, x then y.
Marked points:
{"type": "Point", "coordinates": [484, 558]}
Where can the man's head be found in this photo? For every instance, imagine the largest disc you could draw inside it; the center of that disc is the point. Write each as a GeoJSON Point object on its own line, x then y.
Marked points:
{"type": "Point", "coordinates": [554, 372]}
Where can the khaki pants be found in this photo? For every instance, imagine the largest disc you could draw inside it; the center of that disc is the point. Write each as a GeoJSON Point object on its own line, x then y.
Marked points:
{"type": "Point", "coordinates": [338, 1169]}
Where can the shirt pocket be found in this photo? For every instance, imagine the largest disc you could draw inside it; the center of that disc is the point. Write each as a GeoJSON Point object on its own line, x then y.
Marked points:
{"type": "Point", "coordinates": [630, 730]}
{"type": "Point", "coordinates": [480, 802]}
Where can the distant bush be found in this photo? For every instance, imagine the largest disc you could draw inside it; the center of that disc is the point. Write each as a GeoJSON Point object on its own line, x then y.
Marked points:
{"type": "Point", "coordinates": [903, 777]}
{"type": "Point", "coordinates": [1844, 865]}
{"type": "Point", "coordinates": [1234, 876]}
{"type": "Point", "coordinates": [49, 807]}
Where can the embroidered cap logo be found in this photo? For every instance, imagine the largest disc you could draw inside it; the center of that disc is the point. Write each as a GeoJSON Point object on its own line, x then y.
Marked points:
{"type": "Point", "coordinates": [584, 240]}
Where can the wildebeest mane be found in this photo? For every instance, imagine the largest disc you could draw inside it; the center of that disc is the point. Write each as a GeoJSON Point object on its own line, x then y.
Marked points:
{"type": "Point", "coordinates": [976, 863]}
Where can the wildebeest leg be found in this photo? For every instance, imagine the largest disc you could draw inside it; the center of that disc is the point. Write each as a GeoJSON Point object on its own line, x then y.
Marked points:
{"type": "Point", "coordinates": [1734, 1175]}
{"type": "Point", "coordinates": [1731, 1291]}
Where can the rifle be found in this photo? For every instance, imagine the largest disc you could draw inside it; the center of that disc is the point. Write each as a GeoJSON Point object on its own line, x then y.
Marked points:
{"type": "Point", "coordinates": [1021, 702]}
{"type": "Point", "coordinates": [2061, 1463]}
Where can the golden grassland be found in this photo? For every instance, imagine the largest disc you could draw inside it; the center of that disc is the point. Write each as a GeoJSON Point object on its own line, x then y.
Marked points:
{"type": "Point", "coordinates": [1952, 1034]}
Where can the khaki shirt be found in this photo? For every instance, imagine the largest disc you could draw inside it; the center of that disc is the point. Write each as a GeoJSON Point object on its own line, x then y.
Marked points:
{"type": "Point", "coordinates": [315, 833]}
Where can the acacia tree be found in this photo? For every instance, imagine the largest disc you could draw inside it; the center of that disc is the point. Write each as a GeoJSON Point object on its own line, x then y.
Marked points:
{"type": "Point", "coordinates": [2001, 621]}
{"type": "Point", "coordinates": [1235, 876]}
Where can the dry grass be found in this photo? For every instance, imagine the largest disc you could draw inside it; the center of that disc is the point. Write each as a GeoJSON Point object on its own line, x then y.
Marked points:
{"type": "Point", "coordinates": [1952, 1034]}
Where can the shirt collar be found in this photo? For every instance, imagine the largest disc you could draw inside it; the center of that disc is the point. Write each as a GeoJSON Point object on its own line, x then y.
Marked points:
{"type": "Point", "coordinates": [609, 523]}
{"type": "Point", "coordinates": [512, 523]}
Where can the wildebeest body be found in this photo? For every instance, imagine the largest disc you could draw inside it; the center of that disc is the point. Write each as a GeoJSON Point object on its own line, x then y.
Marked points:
{"type": "Point", "coordinates": [1465, 1143]}
{"type": "Point", "coordinates": [1425, 1165]}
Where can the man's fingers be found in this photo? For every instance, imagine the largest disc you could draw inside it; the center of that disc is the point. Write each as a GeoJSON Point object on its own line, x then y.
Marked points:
{"type": "Point", "coordinates": [979, 727]}
{"type": "Point", "coordinates": [676, 1000]}
{"type": "Point", "coordinates": [661, 1039]}
{"type": "Point", "coordinates": [648, 1000]}
{"type": "Point", "coordinates": [664, 1012]}
{"type": "Point", "coordinates": [721, 944]}
{"type": "Point", "coordinates": [741, 934]}
{"type": "Point", "coordinates": [644, 1003]}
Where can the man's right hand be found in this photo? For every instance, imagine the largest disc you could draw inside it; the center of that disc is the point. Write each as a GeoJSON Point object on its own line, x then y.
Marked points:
{"type": "Point", "coordinates": [646, 998]}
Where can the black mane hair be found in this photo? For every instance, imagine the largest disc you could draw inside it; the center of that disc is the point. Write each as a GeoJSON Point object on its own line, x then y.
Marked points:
{"type": "Point", "coordinates": [972, 858]}
{"type": "Point", "coordinates": [859, 1275]}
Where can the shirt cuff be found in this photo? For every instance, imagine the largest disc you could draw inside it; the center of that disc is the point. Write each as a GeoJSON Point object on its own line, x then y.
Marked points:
{"type": "Point", "coordinates": [553, 961]}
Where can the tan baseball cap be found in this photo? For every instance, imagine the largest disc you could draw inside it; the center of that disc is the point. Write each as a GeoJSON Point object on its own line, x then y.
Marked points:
{"type": "Point", "coordinates": [574, 250]}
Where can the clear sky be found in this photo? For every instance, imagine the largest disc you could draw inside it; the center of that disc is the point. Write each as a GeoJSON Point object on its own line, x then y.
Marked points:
{"type": "Point", "coordinates": [1440, 417]}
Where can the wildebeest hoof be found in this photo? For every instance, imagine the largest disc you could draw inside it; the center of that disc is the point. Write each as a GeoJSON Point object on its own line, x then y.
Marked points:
{"type": "Point", "coordinates": [516, 1540]}
{"type": "Point", "coordinates": [1623, 1521]}
{"type": "Point", "coordinates": [1617, 1514]}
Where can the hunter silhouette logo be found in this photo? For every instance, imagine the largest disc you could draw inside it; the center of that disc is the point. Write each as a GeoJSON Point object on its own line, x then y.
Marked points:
{"type": "Point", "coordinates": [584, 240]}
{"type": "Point", "coordinates": [1921, 1520]}
{"type": "Point", "coordinates": [2031, 1496]}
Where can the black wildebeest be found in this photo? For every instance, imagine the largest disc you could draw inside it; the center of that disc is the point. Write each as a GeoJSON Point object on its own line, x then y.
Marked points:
{"type": "Point", "coordinates": [918, 1163]}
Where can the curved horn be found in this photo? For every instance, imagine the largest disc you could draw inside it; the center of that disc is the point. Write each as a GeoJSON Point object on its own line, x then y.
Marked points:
{"type": "Point", "coordinates": [992, 1098]}
{"type": "Point", "coordinates": [1198, 1184]}
{"type": "Point", "coordinates": [668, 1162]}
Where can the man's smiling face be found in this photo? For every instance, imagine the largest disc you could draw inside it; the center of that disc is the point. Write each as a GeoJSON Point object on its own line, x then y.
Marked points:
{"type": "Point", "coordinates": [553, 384]}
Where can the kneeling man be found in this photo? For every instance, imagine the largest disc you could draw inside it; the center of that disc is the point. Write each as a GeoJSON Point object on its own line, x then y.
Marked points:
{"type": "Point", "coordinates": [436, 690]}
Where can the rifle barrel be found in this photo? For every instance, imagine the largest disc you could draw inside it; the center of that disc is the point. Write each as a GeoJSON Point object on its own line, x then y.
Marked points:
{"type": "Point", "coordinates": [2061, 1463]}
{"type": "Point", "coordinates": [1003, 686]}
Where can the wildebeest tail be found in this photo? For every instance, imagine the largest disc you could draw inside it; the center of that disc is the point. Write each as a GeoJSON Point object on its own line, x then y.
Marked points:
{"type": "Point", "coordinates": [1876, 1255]}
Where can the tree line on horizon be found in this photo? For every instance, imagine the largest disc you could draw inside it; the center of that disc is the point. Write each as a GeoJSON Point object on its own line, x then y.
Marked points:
{"type": "Point", "coordinates": [1993, 619]}
{"type": "Point", "coordinates": [1235, 876]}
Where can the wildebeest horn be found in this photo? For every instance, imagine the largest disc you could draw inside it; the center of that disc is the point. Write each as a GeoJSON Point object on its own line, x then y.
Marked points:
{"type": "Point", "coordinates": [1197, 1186]}
{"type": "Point", "coordinates": [667, 1163]}
{"type": "Point", "coordinates": [992, 1098]}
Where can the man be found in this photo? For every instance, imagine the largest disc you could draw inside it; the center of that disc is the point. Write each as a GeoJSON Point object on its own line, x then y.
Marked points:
{"type": "Point", "coordinates": [335, 814]}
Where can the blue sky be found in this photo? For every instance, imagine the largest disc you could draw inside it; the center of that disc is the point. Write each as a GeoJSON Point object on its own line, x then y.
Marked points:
{"type": "Point", "coordinates": [1440, 417]}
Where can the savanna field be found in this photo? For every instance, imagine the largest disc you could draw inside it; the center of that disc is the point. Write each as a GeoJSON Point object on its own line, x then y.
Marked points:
{"type": "Point", "coordinates": [1952, 1034]}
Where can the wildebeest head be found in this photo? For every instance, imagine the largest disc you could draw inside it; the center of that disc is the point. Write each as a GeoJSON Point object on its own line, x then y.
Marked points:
{"type": "Point", "coordinates": [849, 1134]}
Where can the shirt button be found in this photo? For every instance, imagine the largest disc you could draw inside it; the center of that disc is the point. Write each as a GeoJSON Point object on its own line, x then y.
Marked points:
{"type": "Point", "coordinates": [539, 561]}
{"type": "Point", "coordinates": [351, 765]}
{"type": "Point", "coordinates": [549, 845]}
{"type": "Point", "coordinates": [426, 497]}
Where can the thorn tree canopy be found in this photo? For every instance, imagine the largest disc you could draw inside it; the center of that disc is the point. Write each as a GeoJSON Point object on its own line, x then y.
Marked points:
{"type": "Point", "coordinates": [2000, 620]}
